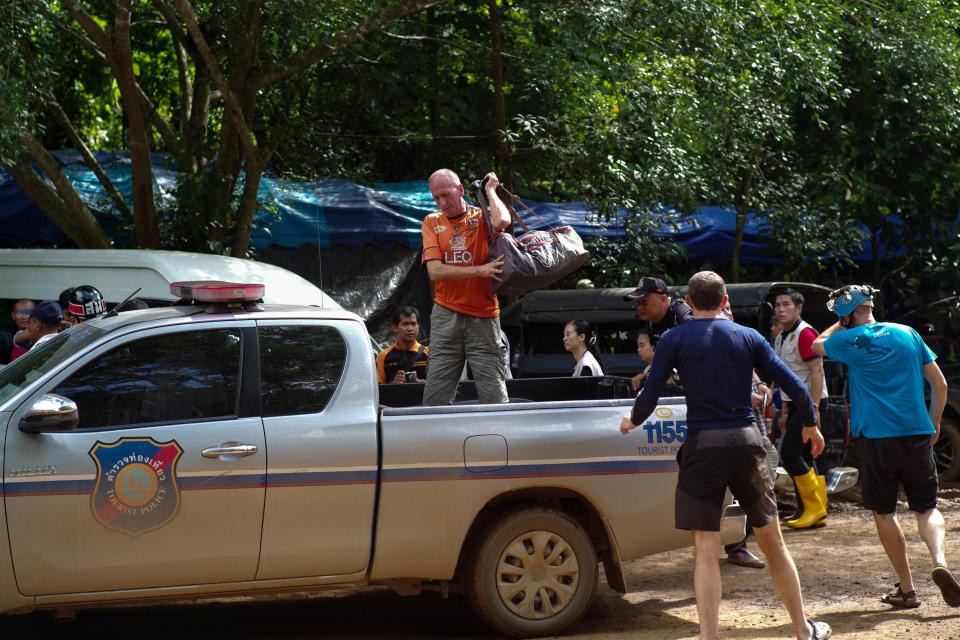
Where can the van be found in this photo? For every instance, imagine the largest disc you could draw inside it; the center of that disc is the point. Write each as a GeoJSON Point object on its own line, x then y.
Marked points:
{"type": "Point", "coordinates": [535, 323]}
{"type": "Point", "coordinates": [41, 274]}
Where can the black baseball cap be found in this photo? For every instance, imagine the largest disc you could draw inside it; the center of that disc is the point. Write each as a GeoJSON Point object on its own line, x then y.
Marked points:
{"type": "Point", "coordinates": [47, 312]}
{"type": "Point", "coordinates": [645, 286]}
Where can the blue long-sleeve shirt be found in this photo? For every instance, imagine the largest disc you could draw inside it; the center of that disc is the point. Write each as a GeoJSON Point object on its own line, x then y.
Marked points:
{"type": "Point", "coordinates": [716, 359]}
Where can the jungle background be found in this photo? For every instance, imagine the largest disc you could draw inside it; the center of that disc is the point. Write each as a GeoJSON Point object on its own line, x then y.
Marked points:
{"type": "Point", "coordinates": [835, 121]}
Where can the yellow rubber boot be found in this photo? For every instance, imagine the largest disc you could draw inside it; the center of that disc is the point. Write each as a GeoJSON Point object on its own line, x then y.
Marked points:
{"type": "Point", "coordinates": [814, 511]}
{"type": "Point", "coordinates": [822, 494]}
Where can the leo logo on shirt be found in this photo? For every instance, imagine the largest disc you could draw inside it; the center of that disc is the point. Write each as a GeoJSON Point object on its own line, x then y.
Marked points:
{"type": "Point", "coordinates": [458, 257]}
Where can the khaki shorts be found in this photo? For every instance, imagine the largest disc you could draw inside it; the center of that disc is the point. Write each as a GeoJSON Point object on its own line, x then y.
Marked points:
{"type": "Point", "coordinates": [455, 338]}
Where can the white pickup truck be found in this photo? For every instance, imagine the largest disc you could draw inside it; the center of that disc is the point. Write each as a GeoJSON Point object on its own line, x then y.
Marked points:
{"type": "Point", "coordinates": [238, 448]}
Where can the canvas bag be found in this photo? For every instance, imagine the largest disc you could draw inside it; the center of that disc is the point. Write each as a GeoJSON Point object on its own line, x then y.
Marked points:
{"type": "Point", "coordinates": [535, 259]}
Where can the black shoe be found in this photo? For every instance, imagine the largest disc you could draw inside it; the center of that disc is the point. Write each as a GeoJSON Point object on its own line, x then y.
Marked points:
{"type": "Point", "coordinates": [745, 558]}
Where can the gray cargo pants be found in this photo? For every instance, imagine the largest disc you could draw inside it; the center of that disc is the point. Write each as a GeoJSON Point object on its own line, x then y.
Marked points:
{"type": "Point", "coordinates": [454, 336]}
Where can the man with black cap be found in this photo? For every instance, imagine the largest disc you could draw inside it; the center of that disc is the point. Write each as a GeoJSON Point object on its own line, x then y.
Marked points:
{"type": "Point", "coordinates": [654, 304]}
{"type": "Point", "coordinates": [44, 323]}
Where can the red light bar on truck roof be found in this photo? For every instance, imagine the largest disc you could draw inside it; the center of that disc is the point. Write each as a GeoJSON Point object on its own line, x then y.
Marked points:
{"type": "Point", "coordinates": [216, 291]}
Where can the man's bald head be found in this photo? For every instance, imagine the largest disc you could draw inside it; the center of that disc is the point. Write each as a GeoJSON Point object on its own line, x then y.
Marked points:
{"type": "Point", "coordinates": [447, 192]}
{"type": "Point", "coordinates": [443, 176]}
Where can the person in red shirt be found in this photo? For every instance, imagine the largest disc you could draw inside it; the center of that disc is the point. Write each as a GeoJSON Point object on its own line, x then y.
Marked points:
{"type": "Point", "coordinates": [21, 319]}
{"type": "Point", "coordinates": [465, 320]}
{"type": "Point", "coordinates": [794, 346]}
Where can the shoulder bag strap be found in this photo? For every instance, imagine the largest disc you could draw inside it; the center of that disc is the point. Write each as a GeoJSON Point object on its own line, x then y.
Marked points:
{"type": "Point", "coordinates": [507, 198]}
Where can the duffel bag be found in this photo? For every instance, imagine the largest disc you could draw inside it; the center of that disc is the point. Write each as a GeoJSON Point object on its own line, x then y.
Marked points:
{"type": "Point", "coordinates": [535, 259]}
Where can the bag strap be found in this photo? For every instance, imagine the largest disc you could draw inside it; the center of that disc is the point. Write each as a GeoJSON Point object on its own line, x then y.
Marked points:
{"type": "Point", "coordinates": [508, 200]}
{"type": "Point", "coordinates": [516, 198]}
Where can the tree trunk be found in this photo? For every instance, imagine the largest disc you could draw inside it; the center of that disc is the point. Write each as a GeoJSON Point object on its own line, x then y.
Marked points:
{"type": "Point", "coordinates": [737, 243]}
{"type": "Point", "coordinates": [63, 206]}
{"type": "Point", "coordinates": [195, 129]}
{"type": "Point", "coordinates": [741, 201]}
{"type": "Point", "coordinates": [121, 60]}
{"type": "Point", "coordinates": [433, 78]}
{"type": "Point", "coordinates": [91, 161]}
{"type": "Point", "coordinates": [499, 101]}
{"type": "Point", "coordinates": [246, 209]}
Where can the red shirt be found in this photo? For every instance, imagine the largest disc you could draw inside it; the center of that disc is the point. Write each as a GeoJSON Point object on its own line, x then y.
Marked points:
{"type": "Point", "coordinates": [460, 242]}
{"type": "Point", "coordinates": [805, 344]}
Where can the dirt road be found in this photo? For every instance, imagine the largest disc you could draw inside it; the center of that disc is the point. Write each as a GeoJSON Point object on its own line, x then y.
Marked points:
{"type": "Point", "coordinates": [842, 568]}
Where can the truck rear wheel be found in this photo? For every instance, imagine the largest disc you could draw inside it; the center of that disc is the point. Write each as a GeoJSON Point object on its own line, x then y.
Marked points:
{"type": "Point", "coordinates": [534, 573]}
{"type": "Point", "coordinates": [946, 451]}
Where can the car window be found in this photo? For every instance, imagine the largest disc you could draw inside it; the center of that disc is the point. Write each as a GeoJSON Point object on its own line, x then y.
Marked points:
{"type": "Point", "coordinates": [173, 377]}
{"type": "Point", "coordinates": [300, 368]}
{"type": "Point", "coordinates": [45, 357]}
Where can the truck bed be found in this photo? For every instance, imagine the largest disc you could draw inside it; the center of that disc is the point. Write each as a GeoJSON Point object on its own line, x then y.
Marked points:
{"type": "Point", "coordinates": [520, 390]}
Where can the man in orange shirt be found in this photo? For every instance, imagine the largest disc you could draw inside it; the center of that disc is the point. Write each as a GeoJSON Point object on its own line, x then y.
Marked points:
{"type": "Point", "coordinates": [465, 321]}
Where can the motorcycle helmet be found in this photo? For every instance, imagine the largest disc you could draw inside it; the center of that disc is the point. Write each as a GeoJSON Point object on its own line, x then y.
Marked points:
{"type": "Point", "coordinates": [845, 300]}
{"type": "Point", "coordinates": [86, 303]}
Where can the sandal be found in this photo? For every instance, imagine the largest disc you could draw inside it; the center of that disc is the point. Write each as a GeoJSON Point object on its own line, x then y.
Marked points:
{"type": "Point", "coordinates": [948, 585]}
{"type": "Point", "coordinates": [819, 630]}
{"type": "Point", "coordinates": [902, 599]}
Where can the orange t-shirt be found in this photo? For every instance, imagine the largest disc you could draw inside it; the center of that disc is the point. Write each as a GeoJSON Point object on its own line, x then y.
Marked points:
{"type": "Point", "coordinates": [463, 242]}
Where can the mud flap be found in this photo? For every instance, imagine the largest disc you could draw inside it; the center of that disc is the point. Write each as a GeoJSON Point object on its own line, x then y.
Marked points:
{"type": "Point", "coordinates": [614, 574]}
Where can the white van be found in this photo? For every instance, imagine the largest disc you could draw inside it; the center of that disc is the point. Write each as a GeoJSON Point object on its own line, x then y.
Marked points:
{"type": "Point", "coordinates": [41, 274]}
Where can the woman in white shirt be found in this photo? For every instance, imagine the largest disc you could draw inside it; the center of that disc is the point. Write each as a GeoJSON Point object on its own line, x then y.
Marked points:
{"type": "Point", "coordinates": [580, 340]}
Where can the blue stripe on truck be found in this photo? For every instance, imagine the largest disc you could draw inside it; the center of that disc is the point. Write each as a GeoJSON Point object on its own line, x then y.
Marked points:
{"type": "Point", "coordinates": [332, 478]}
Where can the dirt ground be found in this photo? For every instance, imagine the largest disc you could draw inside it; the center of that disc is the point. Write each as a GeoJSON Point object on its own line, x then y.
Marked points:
{"type": "Point", "coordinates": [842, 568]}
{"type": "Point", "coordinates": [843, 571]}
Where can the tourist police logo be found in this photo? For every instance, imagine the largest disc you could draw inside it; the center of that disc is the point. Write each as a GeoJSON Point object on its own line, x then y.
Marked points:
{"type": "Point", "coordinates": [136, 489]}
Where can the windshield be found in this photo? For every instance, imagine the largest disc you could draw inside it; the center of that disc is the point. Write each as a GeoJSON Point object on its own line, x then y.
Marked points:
{"type": "Point", "coordinates": [45, 357]}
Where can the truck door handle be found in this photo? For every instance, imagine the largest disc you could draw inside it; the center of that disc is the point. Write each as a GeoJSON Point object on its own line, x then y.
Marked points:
{"type": "Point", "coordinates": [230, 450]}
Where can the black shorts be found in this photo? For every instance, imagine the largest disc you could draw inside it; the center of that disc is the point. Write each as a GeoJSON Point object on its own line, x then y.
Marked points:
{"type": "Point", "coordinates": [886, 463]}
{"type": "Point", "coordinates": [712, 460]}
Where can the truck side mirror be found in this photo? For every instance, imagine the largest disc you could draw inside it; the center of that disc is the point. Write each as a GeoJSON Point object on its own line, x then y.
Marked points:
{"type": "Point", "coordinates": [50, 413]}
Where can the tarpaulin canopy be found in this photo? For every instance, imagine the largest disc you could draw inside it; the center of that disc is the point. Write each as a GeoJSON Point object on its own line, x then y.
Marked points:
{"type": "Point", "coordinates": [326, 213]}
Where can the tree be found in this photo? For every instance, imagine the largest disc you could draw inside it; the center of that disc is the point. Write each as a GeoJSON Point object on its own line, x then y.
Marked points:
{"type": "Point", "coordinates": [23, 88]}
{"type": "Point", "coordinates": [887, 153]}
{"type": "Point", "coordinates": [251, 59]}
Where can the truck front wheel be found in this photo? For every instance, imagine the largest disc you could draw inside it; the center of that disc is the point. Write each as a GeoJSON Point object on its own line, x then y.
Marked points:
{"type": "Point", "coordinates": [534, 573]}
{"type": "Point", "coordinates": [947, 451]}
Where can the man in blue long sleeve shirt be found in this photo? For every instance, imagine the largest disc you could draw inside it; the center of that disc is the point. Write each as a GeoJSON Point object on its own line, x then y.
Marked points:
{"type": "Point", "coordinates": [715, 359]}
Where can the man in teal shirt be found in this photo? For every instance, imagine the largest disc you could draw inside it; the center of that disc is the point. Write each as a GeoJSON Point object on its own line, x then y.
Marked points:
{"type": "Point", "coordinates": [887, 365]}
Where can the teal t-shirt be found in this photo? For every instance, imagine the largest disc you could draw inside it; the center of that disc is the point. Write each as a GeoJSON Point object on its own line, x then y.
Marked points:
{"type": "Point", "coordinates": [885, 361]}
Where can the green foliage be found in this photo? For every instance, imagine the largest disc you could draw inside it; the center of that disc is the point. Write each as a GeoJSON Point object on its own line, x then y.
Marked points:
{"type": "Point", "coordinates": [19, 80]}
{"type": "Point", "coordinates": [834, 120]}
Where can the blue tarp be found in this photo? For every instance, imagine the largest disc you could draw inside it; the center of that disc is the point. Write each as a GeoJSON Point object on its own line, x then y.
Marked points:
{"type": "Point", "coordinates": [338, 212]}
